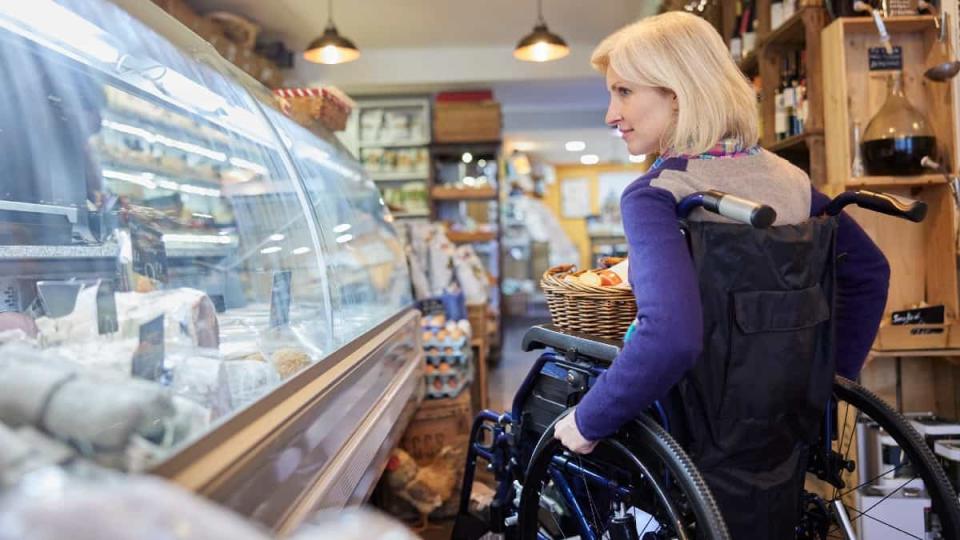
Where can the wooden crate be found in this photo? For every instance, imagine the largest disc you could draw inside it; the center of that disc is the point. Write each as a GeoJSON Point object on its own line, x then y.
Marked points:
{"type": "Point", "coordinates": [466, 122]}
{"type": "Point", "coordinates": [922, 256]}
{"type": "Point", "coordinates": [437, 424]}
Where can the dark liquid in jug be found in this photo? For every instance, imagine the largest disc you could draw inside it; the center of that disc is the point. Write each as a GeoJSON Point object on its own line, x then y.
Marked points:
{"type": "Point", "coordinates": [897, 157]}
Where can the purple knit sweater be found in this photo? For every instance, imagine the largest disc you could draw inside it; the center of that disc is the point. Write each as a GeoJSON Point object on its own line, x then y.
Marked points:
{"type": "Point", "coordinates": [669, 328]}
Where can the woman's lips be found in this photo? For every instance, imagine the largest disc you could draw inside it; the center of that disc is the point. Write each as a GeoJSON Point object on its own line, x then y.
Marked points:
{"type": "Point", "coordinates": [625, 133]}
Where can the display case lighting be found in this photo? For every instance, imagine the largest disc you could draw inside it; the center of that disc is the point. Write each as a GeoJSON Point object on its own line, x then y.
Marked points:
{"type": "Point", "coordinates": [301, 250]}
{"type": "Point", "coordinates": [248, 165]}
{"type": "Point", "coordinates": [197, 239]}
{"type": "Point", "coordinates": [342, 228]}
{"type": "Point", "coordinates": [344, 238]}
{"type": "Point", "coordinates": [49, 19]}
{"type": "Point", "coordinates": [277, 237]}
{"type": "Point", "coordinates": [140, 179]}
{"type": "Point", "coordinates": [271, 249]}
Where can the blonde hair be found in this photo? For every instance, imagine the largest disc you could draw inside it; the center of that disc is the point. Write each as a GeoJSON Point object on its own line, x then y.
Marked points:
{"type": "Point", "coordinates": [682, 53]}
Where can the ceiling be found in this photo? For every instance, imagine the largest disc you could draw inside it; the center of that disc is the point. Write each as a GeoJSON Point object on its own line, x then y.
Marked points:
{"type": "Point", "coordinates": [425, 46]}
{"type": "Point", "coordinates": [433, 23]}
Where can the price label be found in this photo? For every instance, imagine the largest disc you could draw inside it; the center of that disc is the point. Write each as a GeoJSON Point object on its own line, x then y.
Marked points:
{"type": "Point", "coordinates": [107, 308]}
{"type": "Point", "coordinates": [219, 302]}
{"type": "Point", "coordinates": [148, 360]}
{"type": "Point", "coordinates": [149, 253]}
{"type": "Point", "coordinates": [927, 315]}
{"type": "Point", "coordinates": [881, 60]}
{"type": "Point", "coordinates": [280, 299]}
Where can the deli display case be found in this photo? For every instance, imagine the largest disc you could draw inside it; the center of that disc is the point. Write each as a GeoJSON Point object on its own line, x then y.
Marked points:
{"type": "Point", "coordinates": [191, 284]}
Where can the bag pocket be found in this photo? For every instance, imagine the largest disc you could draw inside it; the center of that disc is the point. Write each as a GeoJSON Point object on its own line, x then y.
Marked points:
{"type": "Point", "coordinates": [773, 353]}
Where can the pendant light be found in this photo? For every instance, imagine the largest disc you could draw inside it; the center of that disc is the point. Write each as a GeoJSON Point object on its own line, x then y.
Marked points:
{"type": "Point", "coordinates": [331, 47]}
{"type": "Point", "coordinates": [541, 45]}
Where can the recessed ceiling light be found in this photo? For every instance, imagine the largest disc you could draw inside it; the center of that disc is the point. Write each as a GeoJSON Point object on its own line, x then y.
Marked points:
{"type": "Point", "coordinates": [640, 158]}
{"type": "Point", "coordinates": [524, 146]}
{"type": "Point", "coordinates": [575, 146]}
{"type": "Point", "coordinates": [467, 157]}
{"type": "Point", "coordinates": [277, 237]}
{"type": "Point", "coordinates": [271, 249]}
{"type": "Point", "coordinates": [301, 250]}
{"type": "Point", "coordinates": [589, 159]}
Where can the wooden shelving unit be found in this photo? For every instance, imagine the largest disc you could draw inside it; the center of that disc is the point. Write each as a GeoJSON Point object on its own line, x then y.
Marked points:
{"type": "Point", "coordinates": [439, 193]}
{"type": "Point", "coordinates": [917, 371]}
{"type": "Point", "coordinates": [470, 237]}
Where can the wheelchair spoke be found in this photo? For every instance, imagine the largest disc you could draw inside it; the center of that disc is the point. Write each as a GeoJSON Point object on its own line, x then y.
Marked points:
{"type": "Point", "coordinates": [586, 487]}
{"type": "Point", "coordinates": [863, 514]}
{"type": "Point", "coordinates": [870, 481]}
{"type": "Point", "coordinates": [885, 497]}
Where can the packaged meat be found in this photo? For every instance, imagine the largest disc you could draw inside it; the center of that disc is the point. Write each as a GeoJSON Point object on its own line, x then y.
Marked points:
{"type": "Point", "coordinates": [189, 315]}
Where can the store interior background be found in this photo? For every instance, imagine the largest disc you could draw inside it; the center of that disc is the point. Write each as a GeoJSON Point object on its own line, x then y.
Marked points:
{"type": "Point", "coordinates": [419, 48]}
{"type": "Point", "coordinates": [556, 166]}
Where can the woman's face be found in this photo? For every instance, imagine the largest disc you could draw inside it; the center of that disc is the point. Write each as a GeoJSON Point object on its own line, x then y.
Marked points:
{"type": "Point", "coordinates": [641, 113]}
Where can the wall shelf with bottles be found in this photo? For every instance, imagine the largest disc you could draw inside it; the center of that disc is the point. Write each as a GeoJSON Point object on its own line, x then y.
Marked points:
{"type": "Point", "coordinates": [859, 82]}
{"type": "Point", "coordinates": [784, 65]}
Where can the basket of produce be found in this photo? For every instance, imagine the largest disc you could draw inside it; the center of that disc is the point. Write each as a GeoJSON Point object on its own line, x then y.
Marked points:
{"type": "Point", "coordinates": [597, 302]}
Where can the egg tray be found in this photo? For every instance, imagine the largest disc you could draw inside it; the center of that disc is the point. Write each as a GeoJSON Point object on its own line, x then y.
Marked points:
{"type": "Point", "coordinates": [453, 382]}
{"type": "Point", "coordinates": [455, 358]}
{"type": "Point", "coordinates": [449, 342]}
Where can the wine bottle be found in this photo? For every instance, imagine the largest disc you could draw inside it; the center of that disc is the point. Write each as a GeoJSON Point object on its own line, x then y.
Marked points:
{"type": "Point", "coordinates": [780, 108]}
{"type": "Point", "coordinates": [736, 40]}
{"type": "Point", "coordinates": [750, 32]}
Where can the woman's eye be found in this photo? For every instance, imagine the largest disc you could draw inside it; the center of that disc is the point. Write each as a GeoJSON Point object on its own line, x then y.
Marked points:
{"type": "Point", "coordinates": [623, 92]}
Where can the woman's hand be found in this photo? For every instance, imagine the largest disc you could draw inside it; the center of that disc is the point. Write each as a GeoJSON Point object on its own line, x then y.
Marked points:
{"type": "Point", "coordinates": [567, 432]}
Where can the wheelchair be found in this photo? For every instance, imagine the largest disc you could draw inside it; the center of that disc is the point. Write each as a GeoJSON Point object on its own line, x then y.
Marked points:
{"type": "Point", "coordinates": [641, 484]}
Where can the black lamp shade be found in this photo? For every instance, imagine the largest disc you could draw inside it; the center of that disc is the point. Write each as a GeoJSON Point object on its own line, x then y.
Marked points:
{"type": "Point", "coordinates": [331, 48]}
{"type": "Point", "coordinates": [541, 45]}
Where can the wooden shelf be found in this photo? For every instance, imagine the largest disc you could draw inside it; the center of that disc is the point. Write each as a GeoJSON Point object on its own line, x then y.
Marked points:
{"type": "Point", "coordinates": [413, 143]}
{"type": "Point", "coordinates": [794, 143]}
{"type": "Point", "coordinates": [911, 353]}
{"type": "Point", "coordinates": [790, 33]}
{"type": "Point", "coordinates": [399, 176]}
{"type": "Point", "coordinates": [466, 194]}
{"type": "Point", "coordinates": [470, 237]}
{"type": "Point", "coordinates": [911, 23]}
{"type": "Point", "coordinates": [896, 181]}
{"type": "Point", "coordinates": [411, 215]}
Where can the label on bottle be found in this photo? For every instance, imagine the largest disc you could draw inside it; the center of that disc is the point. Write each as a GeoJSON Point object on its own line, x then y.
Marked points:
{"type": "Point", "coordinates": [776, 15]}
{"type": "Point", "coordinates": [880, 60]}
{"type": "Point", "coordinates": [749, 42]}
{"type": "Point", "coordinates": [736, 48]}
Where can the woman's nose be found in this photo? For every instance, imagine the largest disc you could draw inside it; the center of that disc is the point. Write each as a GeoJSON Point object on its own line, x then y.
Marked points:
{"type": "Point", "coordinates": [613, 116]}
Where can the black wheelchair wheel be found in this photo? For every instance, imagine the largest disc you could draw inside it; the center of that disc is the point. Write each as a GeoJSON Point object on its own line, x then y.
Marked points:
{"type": "Point", "coordinates": [638, 484]}
{"type": "Point", "coordinates": [847, 479]}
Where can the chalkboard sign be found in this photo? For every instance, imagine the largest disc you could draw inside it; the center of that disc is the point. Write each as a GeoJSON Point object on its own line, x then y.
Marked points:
{"type": "Point", "coordinates": [880, 60]}
{"type": "Point", "coordinates": [148, 360]}
{"type": "Point", "coordinates": [926, 315]}
{"type": "Point", "coordinates": [280, 299]}
{"type": "Point", "coordinates": [106, 309]}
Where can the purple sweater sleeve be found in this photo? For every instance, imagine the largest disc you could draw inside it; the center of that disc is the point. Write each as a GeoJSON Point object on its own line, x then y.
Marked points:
{"type": "Point", "coordinates": [863, 277]}
{"type": "Point", "coordinates": [669, 332]}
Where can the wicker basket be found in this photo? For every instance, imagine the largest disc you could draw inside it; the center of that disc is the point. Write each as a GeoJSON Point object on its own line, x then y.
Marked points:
{"type": "Point", "coordinates": [603, 312]}
{"type": "Point", "coordinates": [306, 105]}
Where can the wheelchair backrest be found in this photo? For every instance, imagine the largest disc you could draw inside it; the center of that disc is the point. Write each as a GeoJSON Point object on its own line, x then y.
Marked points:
{"type": "Point", "coordinates": [766, 369]}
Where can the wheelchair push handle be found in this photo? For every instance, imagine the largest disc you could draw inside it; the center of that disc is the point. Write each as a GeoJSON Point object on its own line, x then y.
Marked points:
{"type": "Point", "coordinates": [884, 203]}
{"type": "Point", "coordinates": [729, 206]}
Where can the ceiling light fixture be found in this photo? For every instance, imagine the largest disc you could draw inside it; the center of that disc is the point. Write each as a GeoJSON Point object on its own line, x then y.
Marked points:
{"type": "Point", "coordinates": [575, 146]}
{"type": "Point", "coordinates": [589, 159]}
{"type": "Point", "coordinates": [639, 158]}
{"type": "Point", "coordinates": [541, 45]}
{"type": "Point", "coordinates": [331, 47]}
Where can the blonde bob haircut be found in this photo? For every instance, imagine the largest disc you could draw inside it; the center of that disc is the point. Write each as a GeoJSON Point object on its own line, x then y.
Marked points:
{"type": "Point", "coordinates": [682, 53]}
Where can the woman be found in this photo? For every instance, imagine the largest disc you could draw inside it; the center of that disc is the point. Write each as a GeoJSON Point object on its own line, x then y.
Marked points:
{"type": "Point", "coordinates": [674, 90]}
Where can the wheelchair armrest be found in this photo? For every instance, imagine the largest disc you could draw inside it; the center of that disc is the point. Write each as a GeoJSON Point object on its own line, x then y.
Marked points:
{"type": "Point", "coordinates": [548, 335]}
